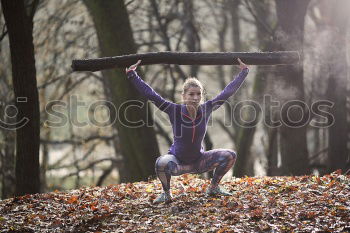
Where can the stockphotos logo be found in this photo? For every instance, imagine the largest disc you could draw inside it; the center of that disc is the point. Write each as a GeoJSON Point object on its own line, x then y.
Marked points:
{"type": "Point", "coordinates": [247, 113]}
{"type": "Point", "coordinates": [10, 119]}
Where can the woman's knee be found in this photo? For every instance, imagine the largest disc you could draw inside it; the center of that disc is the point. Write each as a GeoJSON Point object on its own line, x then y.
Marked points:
{"type": "Point", "coordinates": [232, 155]}
{"type": "Point", "coordinates": [163, 161]}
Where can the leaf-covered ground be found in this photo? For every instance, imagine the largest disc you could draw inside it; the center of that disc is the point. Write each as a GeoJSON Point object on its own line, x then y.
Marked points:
{"type": "Point", "coordinates": [262, 204]}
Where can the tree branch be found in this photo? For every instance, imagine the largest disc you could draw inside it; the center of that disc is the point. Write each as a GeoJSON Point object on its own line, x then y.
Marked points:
{"type": "Point", "coordinates": [3, 33]}
{"type": "Point", "coordinates": [80, 142]}
{"type": "Point", "coordinates": [90, 165]}
{"type": "Point", "coordinates": [105, 174]}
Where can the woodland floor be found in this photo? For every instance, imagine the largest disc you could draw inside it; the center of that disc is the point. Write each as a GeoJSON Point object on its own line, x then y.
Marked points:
{"type": "Point", "coordinates": [259, 204]}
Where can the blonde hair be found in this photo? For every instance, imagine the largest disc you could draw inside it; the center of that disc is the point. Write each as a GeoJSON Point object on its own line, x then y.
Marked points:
{"type": "Point", "coordinates": [192, 82]}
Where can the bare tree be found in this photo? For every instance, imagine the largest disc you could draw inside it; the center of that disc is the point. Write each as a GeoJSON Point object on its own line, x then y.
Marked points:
{"type": "Point", "coordinates": [290, 15]}
{"type": "Point", "coordinates": [138, 145]}
{"type": "Point", "coordinates": [336, 27]}
{"type": "Point", "coordinates": [20, 26]}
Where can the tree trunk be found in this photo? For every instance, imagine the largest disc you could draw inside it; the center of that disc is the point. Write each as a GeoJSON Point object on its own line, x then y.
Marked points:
{"type": "Point", "coordinates": [245, 135]}
{"type": "Point", "coordinates": [225, 10]}
{"type": "Point", "coordinates": [138, 145]}
{"type": "Point", "coordinates": [7, 149]}
{"type": "Point", "coordinates": [45, 133]}
{"type": "Point", "coordinates": [8, 166]}
{"type": "Point", "coordinates": [189, 58]}
{"type": "Point", "coordinates": [191, 32]}
{"type": "Point", "coordinates": [294, 152]}
{"type": "Point", "coordinates": [20, 27]}
{"type": "Point", "coordinates": [233, 7]}
{"type": "Point", "coordinates": [234, 12]}
{"type": "Point", "coordinates": [272, 152]}
{"type": "Point", "coordinates": [338, 153]}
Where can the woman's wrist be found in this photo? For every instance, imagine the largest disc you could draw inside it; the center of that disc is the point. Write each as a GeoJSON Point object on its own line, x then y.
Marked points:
{"type": "Point", "coordinates": [128, 71]}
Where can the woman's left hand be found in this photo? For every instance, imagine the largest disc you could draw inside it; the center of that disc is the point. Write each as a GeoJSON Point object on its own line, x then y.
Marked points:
{"type": "Point", "coordinates": [241, 64]}
{"type": "Point", "coordinates": [132, 67]}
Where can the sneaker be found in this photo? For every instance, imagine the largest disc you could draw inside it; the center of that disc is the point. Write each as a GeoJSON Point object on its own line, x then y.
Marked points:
{"type": "Point", "coordinates": [164, 197]}
{"type": "Point", "coordinates": [217, 191]}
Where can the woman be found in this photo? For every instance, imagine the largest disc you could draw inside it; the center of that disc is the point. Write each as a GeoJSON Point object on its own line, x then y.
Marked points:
{"type": "Point", "coordinates": [189, 123]}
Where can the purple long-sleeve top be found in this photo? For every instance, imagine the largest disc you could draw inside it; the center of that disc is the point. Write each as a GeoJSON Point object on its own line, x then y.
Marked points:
{"type": "Point", "coordinates": [188, 133]}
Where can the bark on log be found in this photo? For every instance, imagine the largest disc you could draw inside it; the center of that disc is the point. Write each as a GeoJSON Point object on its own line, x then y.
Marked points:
{"type": "Point", "coordinates": [188, 58]}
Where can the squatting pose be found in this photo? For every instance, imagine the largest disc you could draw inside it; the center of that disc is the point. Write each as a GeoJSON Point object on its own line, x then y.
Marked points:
{"type": "Point", "coordinates": [189, 123]}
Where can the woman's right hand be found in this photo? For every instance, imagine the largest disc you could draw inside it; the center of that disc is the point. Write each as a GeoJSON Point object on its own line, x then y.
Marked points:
{"type": "Point", "coordinates": [132, 67]}
{"type": "Point", "coordinates": [241, 64]}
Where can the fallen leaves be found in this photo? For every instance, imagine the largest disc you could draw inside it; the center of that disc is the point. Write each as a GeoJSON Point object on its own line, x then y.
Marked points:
{"type": "Point", "coordinates": [72, 200]}
{"type": "Point", "coordinates": [258, 204]}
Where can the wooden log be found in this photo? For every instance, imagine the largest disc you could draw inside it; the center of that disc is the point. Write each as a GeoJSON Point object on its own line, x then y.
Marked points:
{"type": "Point", "coordinates": [188, 58]}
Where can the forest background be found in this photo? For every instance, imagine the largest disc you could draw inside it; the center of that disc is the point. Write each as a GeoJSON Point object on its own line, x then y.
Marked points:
{"type": "Point", "coordinates": [284, 120]}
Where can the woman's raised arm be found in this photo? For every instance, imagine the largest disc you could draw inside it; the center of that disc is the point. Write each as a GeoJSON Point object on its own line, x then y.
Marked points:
{"type": "Point", "coordinates": [147, 91]}
{"type": "Point", "coordinates": [231, 88]}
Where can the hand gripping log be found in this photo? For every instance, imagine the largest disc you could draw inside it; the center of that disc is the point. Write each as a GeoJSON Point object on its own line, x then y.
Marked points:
{"type": "Point", "coordinates": [188, 58]}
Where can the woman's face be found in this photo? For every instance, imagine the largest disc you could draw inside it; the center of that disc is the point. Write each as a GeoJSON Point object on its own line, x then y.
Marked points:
{"type": "Point", "coordinates": [192, 96]}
